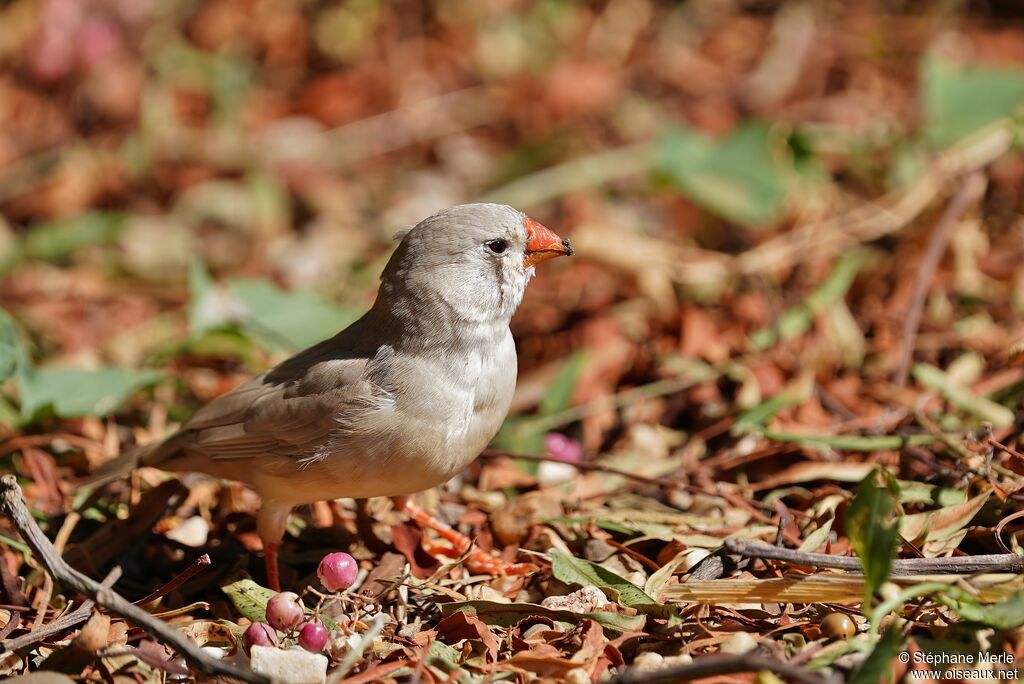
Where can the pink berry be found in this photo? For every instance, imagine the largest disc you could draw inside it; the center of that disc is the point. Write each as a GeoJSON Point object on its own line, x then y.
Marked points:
{"type": "Point", "coordinates": [313, 636]}
{"type": "Point", "coordinates": [285, 611]}
{"type": "Point", "coordinates": [337, 571]}
{"type": "Point", "coordinates": [258, 634]}
{"type": "Point", "coordinates": [98, 39]}
{"type": "Point", "coordinates": [563, 448]}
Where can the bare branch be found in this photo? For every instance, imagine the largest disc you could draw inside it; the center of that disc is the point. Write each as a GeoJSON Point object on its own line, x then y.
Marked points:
{"type": "Point", "coordinates": [12, 506]}
{"type": "Point", "coordinates": [712, 665]}
{"type": "Point", "coordinates": [956, 565]}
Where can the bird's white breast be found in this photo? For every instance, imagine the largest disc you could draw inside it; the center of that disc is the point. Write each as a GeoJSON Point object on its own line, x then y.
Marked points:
{"type": "Point", "coordinates": [446, 409]}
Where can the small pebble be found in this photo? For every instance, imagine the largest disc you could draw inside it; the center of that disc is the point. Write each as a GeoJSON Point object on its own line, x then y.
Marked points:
{"type": "Point", "coordinates": [692, 558]}
{"type": "Point", "coordinates": [738, 644]}
{"type": "Point", "coordinates": [550, 473]}
{"type": "Point", "coordinates": [577, 675]}
{"type": "Point", "coordinates": [585, 600]}
{"type": "Point", "coordinates": [192, 532]}
{"type": "Point", "coordinates": [838, 626]}
{"type": "Point", "coordinates": [648, 661]}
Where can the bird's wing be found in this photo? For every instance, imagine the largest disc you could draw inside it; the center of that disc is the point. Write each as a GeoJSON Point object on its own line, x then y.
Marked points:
{"type": "Point", "coordinates": [293, 411]}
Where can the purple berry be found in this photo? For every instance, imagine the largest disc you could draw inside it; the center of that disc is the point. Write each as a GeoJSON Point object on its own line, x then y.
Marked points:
{"type": "Point", "coordinates": [258, 634]}
{"type": "Point", "coordinates": [285, 611]}
{"type": "Point", "coordinates": [563, 448]}
{"type": "Point", "coordinates": [313, 636]}
{"type": "Point", "coordinates": [337, 571]}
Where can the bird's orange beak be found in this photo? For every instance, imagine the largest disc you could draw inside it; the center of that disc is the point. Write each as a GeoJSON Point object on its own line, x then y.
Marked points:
{"type": "Point", "coordinates": [542, 244]}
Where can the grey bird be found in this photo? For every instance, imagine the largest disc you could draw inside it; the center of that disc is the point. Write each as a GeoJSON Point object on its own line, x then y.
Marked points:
{"type": "Point", "coordinates": [398, 402]}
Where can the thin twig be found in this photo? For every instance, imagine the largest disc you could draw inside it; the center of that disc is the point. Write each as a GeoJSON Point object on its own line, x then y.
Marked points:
{"type": "Point", "coordinates": [59, 542]}
{"type": "Point", "coordinates": [1011, 451]}
{"type": "Point", "coordinates": [12, 506]}
{"type": "Point", "coordinates": [712, 665]}
{"type": "Point", "coordinates": [62, 624]}
{"type": "Point", "coordinates": [971, 189]}
{"type": "Point", "coordinates": [12, 624]}
{"type": "Point", "coordinates": [184, 576]}
{"type": "Point", "coordinates": [956, 565]}
{"type": "Point", "coordinates": [733, 499]}
{"type": "Point", "coordinates": [1003, 523]}
{"type": "Point", "coordinates": [600, 468]}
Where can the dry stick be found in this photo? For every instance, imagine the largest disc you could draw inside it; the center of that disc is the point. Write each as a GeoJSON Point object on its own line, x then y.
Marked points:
{"type": "Point", "coordinates": [971, 189]}
{"type": "Point", "coordinates": [61, 540]}
{"type": "Point", "coordinates": [12, 506]}
{"type": "Point", "coordinates": [600, 468]}
{"type": "Point", "coordinates": [72, 619]}
{"type": "Point", "coordinates": [957, 565]}
{"type": "Point", "coordinates": [191, 571]}
{"type": "Point", "coordinates": [712, 665]}
{"type": "Point", "coordinates": [12, 624]}
{"type": "Point", "coordinates": [659, 481]}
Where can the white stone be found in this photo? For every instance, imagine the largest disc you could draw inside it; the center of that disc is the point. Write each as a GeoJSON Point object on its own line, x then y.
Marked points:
{"type": "Point", "coordinates": [738, 644]}
{"type": "Point", "coordinates": [551, 473]}
{"type": "Point", "coordinates": [693, 557]}
{"type": "Point", "coordinates": [648, 661]}
{"type": "Point", "coordinates": [585, 600]}
{"type": "Point", "coordinates": [292, 666]}
{"type": "Point", "coordinates": [192, 532]}
{"type": "Point", "coordinates": [577, 675]}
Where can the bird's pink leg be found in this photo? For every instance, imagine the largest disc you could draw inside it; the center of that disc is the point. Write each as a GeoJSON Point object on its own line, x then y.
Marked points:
{"type": "Point", "coordinates": [478, 561]}
{"type": "Point", "coordinates": [270, 526]}
{"type": "Point", "coordinates": [270, 562]}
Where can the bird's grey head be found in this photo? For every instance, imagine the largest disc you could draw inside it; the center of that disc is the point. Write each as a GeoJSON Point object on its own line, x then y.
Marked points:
{"type": "Point", "coordinates": [471, 261]}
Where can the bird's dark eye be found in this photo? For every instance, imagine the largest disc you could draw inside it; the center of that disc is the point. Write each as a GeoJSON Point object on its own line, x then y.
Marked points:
{"type": "Point", "coordinates": [497, 246]}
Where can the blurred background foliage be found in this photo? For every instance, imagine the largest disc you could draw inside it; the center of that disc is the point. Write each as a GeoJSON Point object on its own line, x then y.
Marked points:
{"type": "Point", "coordinates": [800, 256]}
{"type": "Point", "coordinates": [191, 190]}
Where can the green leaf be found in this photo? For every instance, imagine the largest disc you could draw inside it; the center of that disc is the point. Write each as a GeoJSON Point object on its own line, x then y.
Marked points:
{"type": "Point", "coordinates": [525, 434]}
{"type": "Point", "coordinates": [952, 391]}
{"type": "Point", "coordinates": [877, 666]}
{"type": "Point", "coordinates": [959, 100]}
{"type": "Point", "coordinates": [76, 392]}
{"type": "Point", "coordinates": [443, 657]}
{"type": "Point", "coordinates": [753, 419]}
{"type": "Point", "coordinates": [1007, 614]}
{"type": "Point", "coordinates": [871, 527]}
{"type": "Point", "coordinates": [798, 319]}
{"type": "Point", "coordinates": [572, 570]}
{"type": "Point", "coordinates": [290, 320]}
{"type": "Point", "coordinates": [279, 319]}
{"type": "Point", "coordinates": [937, 530]}
{"type": "Point", "coordinates": [816, 539]}
{"type": "Point", "coordinates": [10, 346]}
{"type": "Point", "coordinates": [522, 435]}
{"type": "Point", "coordinates": [558, 394]}
{"type": "Point", "coordinates": [509, 614]}
{"type": "Point", "coordinates": [250, 600]}
{"type": "Point", "coordinates": [203, 312]}
{"type": "Point", "coordinates": [849, 442]}
{"type": "Point", "coordinates": [921, 492]}
{"type": "Point", "coordinates": [742, 178]}
{"type": "Point", "coordinates": [58, 240]}
{"type": "Point", "coordinates": [658, 580]}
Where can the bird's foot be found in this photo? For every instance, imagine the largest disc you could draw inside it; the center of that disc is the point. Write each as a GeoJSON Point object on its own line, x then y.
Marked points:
{"type": "Point", "coordinates": [477, 560]}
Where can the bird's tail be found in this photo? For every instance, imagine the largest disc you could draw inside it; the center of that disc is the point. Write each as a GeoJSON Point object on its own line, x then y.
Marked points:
{"type": "Point", "coordinates": [121, 465]}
